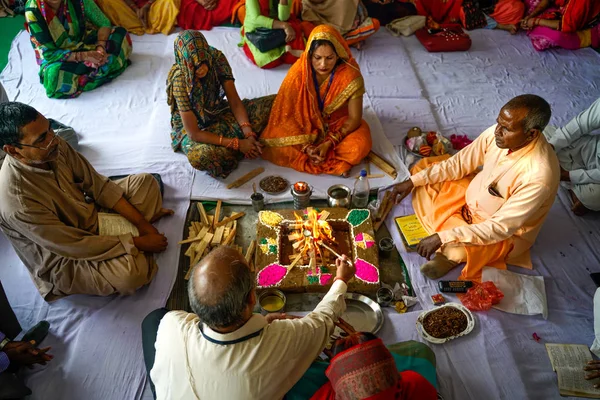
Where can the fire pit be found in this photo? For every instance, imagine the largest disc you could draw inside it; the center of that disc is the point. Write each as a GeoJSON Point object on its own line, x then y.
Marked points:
{"type": "Point", "coordinates": [295, 249]}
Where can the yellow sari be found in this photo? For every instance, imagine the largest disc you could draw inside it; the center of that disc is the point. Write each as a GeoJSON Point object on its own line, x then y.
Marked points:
{"type": "Point", "coordinates": [296, 120]}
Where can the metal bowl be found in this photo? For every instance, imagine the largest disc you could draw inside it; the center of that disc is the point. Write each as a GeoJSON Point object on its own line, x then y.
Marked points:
{"type": "Point", "coordinates": [263, 297]}
{"type": "Point", "coordinates": [262, 182]}
{"type": "Point", "coordinates": [339, 196]}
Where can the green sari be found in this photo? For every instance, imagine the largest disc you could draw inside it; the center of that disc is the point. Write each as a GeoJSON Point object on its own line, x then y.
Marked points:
{"type": "Point", "coordinates": [55, 36]}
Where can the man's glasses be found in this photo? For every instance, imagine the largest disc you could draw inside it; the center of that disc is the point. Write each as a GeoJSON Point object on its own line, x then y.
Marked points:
{"type": "Point", "coordinates": [38, 147]}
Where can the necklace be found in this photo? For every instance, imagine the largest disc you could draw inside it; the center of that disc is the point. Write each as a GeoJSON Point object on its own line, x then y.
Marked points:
{"type": "Point", "coordinates": [320, 100]}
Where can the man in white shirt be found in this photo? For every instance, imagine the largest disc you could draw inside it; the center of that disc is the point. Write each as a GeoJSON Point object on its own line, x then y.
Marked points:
{"type": "Point", "coordinates": [233, 353]}
{"type": "Point", "coordinates": [578, 151]}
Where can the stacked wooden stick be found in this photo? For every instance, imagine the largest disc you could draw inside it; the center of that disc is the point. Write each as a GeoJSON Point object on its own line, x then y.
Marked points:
{"type": "Point", "coordinates": [210, 232]}
{"type": "Point", "coordinates": [387, 203]}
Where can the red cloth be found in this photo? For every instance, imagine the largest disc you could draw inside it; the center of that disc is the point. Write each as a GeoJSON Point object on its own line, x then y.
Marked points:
{"type": "Point", "coordinates": [412, 386]}
{"type": "Point", "coordinates": [442, 12]}
{"type": "Point", "coordinates": [577, 14]}
{"type": "Point", "coordinates": [194, 16]}
{"type": "Point", "coordinates": [368, 371]}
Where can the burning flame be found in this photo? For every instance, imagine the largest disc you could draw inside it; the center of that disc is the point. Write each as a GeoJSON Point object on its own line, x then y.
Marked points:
{"type": "Point", "coordinates": [310, 233]}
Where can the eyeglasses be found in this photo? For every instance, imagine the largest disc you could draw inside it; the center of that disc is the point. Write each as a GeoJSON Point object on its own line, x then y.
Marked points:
{"type": "Point", "coordinates": [38, 147]}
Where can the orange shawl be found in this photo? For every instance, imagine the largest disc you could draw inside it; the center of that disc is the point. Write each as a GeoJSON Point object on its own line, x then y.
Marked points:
{"type": "Point", "coordinates": [295, 117]}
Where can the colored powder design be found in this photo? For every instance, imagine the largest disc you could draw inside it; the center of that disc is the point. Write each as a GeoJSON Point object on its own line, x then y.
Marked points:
{"type": "Point", "coordinates": [271, 275]}
{"type": "Point", "coordinates": [312, 280]}
{"type": "Point", "coordinates": [357, 217]}
{"type": "Point", "coordinates": [324, 269]}
{"type": "Point", "coordinates": [268, 245]}
{"type": "Point", "coordinates": [309, 271]}
{"type": "Point", "coordinates": [325, 278]}
{"type": "Point", "coordinates": [366, 271]}
{"type": "Point", "coordinates": [270, 218]}
{"type": "Point", "coordinates": [364, 240]}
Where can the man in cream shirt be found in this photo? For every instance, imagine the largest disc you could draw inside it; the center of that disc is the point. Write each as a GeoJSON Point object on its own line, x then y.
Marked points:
{"type": "Point", "coordinates": [233, 353]}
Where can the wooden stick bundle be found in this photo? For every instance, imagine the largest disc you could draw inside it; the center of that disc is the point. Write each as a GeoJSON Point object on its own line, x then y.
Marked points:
{"type": "Point", "coordinates": [382, 165]}
{"type": "Point", "coordinates": [209, 232]}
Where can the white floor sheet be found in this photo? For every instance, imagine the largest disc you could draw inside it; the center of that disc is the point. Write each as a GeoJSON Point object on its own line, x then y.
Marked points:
{"type": "Point", "coordinates": [123, 127]}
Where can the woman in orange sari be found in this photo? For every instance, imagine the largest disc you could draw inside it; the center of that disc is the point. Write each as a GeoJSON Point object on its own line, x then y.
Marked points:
{"type": "Point", "coordinates": [316, 123]}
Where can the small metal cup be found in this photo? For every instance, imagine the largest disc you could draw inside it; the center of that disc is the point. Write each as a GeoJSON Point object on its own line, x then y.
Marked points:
{"type": "Point", "coordinates": [271, 293]}
{"type": "Point", "coordinates": [338, 196]}
{"type": "Point", "coordinates": [258, 201]}
{"type": "Point", "coordinates": [385, 297]}
{"type": "Point", "coordinates": [386, 246]}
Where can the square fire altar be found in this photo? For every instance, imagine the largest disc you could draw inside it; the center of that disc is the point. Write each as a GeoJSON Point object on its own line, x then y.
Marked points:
{"type": "Point", "coordinates": [294, 249]}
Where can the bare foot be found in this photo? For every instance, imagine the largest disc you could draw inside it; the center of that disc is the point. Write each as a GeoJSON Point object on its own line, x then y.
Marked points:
{"type": "Point", "coordinates": [162, 213]}
{"type": "Point", "coordinates": [512, 28]}
{"type": "Point", "coordinates": [578, 208]}
{"type": "Point", "coordinates": [358, 46]}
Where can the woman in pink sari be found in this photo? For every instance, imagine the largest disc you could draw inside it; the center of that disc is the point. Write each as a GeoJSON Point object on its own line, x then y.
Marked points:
{"type": "Point", "coordinates": [570, 24]}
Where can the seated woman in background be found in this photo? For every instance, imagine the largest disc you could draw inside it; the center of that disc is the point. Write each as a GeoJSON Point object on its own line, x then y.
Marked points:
{"type": "Point", "coordinates": [385, 11]}
{"type": "Point", "coordinates": [349, 17]}
{"type": "Point", "coordinates": [570, 24]}
{"type": "Point", "coordinates": [73, 57]}
{"type": "Point", "coordinates": [214, 133]}
{"type": "Point", "coordinates": [257, 15]}
{"type": "Point", "coordinates": [203, 15]}
{"type": "Point", "coordinates": [316, 123]}
{"type": "Point", "coordinates": [471, 14]}
{"type": "Point", "coordinates": [142, 16]}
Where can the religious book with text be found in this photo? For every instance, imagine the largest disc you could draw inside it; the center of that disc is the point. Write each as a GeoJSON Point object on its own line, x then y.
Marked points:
{"type": "Point", "coordinates": [568, 361]}
{"type": "Point", "coordinates": [115, 225]}
{"type": "Point", "coordinates": [411, 231]}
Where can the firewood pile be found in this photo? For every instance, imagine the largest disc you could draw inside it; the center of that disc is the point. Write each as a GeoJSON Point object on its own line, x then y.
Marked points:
{"type": "Point", "coordinates": [211, 231]}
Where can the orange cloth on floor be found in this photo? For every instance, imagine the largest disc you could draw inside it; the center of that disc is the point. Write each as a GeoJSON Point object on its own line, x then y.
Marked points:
{"type": "Point", "coordinates": [439, 206]}
{"type": "Point", "coordinates": [296, 120]}
{"type": "Point", "coordinates": [508, 12]}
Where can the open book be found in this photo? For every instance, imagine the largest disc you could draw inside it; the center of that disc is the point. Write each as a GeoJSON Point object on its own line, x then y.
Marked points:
{"type": "Point", "coordinates": [411, 231]}
{"type": "Point", "coordinates": [568, 361]}
{"type": "Point", "coordinates": [115, 225]}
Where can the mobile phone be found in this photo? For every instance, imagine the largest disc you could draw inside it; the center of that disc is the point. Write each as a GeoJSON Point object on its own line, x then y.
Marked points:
{"type": "Point", "coordinates": [596, 278]}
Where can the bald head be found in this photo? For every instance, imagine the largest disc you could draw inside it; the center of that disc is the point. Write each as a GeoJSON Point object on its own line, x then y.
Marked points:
{"type": "Point", "coordinates": [220, 287]}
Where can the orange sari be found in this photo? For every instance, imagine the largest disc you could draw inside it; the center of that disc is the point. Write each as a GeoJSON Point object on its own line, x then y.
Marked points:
{"type": "Point", "coordinates": [296, 120]}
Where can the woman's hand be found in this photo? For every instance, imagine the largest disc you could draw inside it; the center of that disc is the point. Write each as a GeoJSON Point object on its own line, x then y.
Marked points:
{"type": "Point", "coordinates": [142, 14]}
{"type": "Point", "coordinates": [208, 5]}
{"type": "Point", "coordinates": [528, 23]}
{"type": "Point", "coordinates": [318, 154]}
{"type": "Point", "coordinates": [94, 58]}
{"type": "Point", "coordinates": [290, 33]}
{"type": "Point", "coordinates": [251, 148]}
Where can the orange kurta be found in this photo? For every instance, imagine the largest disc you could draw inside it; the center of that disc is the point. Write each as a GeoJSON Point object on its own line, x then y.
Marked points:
{"type": "Point", "coordinates": [503, 227]}
{"type": "Point", "coordinates": [296, 120]}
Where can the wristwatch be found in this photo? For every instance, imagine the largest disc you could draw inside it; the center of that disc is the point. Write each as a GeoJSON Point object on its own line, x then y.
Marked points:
{"type": "Point", "coordinates": [4, 343]}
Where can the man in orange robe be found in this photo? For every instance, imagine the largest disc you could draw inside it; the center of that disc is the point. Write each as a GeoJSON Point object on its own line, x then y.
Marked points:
{"type": "Point", "coordinates": [490, 217]}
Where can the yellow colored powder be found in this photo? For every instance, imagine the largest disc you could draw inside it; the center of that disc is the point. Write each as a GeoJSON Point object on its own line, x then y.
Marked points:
{"type": "Point", "coordinates": [272, 303]}
{"type": "Point", "coordinates": [270, 218]}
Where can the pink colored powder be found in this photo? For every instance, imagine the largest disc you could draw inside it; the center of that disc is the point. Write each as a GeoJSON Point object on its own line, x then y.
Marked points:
{"type": "Point", "coordinates": [359, 237]}
{"type": "Point", "coordinates": [366, 272]}
{"type": "Point", "coordinates": [271, 275]}
{"type": "Point", "coordinates": [325, 278]}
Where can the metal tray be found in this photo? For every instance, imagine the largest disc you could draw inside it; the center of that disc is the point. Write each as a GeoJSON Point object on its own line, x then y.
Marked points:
{"type": "Point", "coordinates": [287, 186]}
{"type": "Point", "coordinates": [450, 150]}
{"type": "Point", "coordinates": [362, 313]}
{"type": "Point", "coordinates": [460, 307]}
